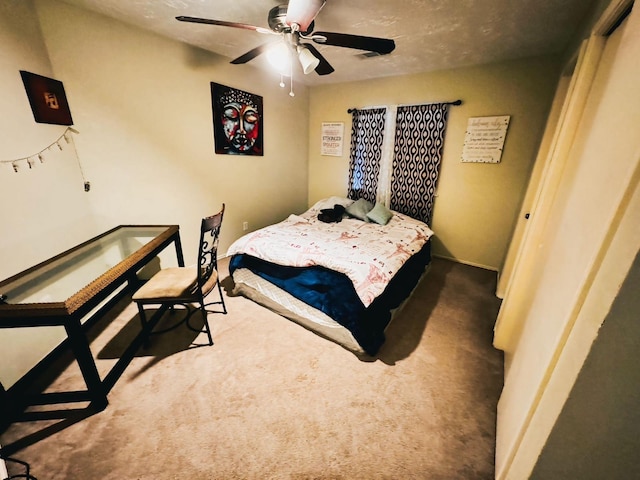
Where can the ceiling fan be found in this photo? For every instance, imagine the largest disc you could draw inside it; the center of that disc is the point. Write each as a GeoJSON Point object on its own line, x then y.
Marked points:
{"type": "Point", "coordinates": [294, 23]}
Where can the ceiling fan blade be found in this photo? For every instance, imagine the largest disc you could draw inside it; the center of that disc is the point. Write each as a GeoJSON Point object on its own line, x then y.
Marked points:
{"type": "Point", "coordinates": [372, 44]}
{"type": "Point", "coordinates": [222, 23]}
{"type": "Point", "coordinates": [302, 12]}
{"type": "Point", "coordinates": [251, 54]}
{"type": "Point", "coordinates": [323, 68]}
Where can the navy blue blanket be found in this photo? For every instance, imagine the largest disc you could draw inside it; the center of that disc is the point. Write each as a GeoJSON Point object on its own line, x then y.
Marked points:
{"type": "Point", "coordinates": [333, 293]}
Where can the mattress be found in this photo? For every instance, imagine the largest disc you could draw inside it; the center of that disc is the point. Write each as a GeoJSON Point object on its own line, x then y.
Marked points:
{"type": "Point", "coordinates": [263, 292]}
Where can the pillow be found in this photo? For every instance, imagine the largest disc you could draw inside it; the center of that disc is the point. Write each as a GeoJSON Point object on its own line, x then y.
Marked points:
{"type": "Point", "coordinates": [331, 202]}
{"type": "Point", "coordinates": [380, 214]}
{"type": "Point", "coordinates": [359, 209]}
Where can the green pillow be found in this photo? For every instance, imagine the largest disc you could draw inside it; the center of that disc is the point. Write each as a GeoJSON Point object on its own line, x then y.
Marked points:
{"type": "Point", "coordinates": [380, 214]}
{"type": "Point", "coordinates": [359, 209]}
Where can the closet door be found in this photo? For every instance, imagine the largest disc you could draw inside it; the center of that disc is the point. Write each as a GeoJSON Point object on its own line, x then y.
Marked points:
{"type": "Point", "coordinates": [583, 203]}
{"type": "Point", "coordinates": [523, 256]}
{"type": "Point", "coordinates": [557, 117]}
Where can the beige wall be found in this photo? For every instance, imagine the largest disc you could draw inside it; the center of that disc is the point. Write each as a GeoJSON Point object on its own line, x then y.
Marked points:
{"type": "Point", "coordinates": [32, 202]}
{"type": "Point", "coordinates": [475, 210]}
{"type": "Point", "coordinates": [142, 106]}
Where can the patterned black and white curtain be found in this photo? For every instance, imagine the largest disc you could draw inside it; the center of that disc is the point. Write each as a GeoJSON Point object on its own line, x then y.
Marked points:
{"type": "Point", "coordinates": [367, 134]}
{"type": "Point", "coordinates": [418, 147]}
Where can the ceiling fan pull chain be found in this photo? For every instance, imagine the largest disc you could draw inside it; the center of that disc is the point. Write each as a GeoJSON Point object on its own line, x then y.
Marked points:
{"type": "Point", "coordinates": [291, 94]}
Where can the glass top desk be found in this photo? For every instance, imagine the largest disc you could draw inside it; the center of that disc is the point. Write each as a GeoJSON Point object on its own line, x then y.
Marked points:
{"type": "Point", "coordinates": [66, 288]}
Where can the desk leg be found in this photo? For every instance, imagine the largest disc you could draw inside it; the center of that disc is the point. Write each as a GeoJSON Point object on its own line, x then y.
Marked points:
{"type": "Point", "coordinates": [179, 250]}
{"type": "Point", "coordinates": [84, 357]}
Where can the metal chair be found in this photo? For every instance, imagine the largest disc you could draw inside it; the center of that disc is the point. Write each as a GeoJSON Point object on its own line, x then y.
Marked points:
{"type": "Point", "coordinates": [187, 285]}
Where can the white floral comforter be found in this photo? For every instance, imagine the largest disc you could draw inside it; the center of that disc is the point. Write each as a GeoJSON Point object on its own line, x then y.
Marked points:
{"type": "Point", "coordinates": [368, 253]}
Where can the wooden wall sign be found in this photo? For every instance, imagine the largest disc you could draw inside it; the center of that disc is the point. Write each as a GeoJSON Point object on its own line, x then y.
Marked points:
{"type": "Point", "coordinates": [47, 99]}
{"type": "Point", "coordinates": [484, 139]}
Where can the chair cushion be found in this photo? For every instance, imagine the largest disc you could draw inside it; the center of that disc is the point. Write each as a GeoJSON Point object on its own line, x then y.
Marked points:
{"type": "Point", "coordinates": [169, 284]}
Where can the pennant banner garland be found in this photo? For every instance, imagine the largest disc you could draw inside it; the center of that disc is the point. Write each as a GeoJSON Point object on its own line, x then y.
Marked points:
{"type": "Point", "coordinates": [39, 157]}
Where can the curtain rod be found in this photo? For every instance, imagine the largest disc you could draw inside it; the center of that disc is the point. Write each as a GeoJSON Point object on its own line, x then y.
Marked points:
{"type": "Point", "coordinates": [455, 102]}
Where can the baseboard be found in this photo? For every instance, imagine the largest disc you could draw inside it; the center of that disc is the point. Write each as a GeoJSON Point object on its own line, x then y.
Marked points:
{"type": "Point", "coordinates": [464, 262]}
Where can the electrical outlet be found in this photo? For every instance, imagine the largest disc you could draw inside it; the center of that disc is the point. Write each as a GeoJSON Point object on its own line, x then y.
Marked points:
{"type": "Point", "coordinates": [245, 226]}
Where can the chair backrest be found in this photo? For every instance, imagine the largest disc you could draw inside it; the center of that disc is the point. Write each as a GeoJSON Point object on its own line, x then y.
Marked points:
{"type": "Point", "coordinates": [208, 254]}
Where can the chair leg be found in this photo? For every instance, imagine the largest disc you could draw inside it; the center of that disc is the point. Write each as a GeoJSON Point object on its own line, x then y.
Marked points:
{"type": "Point", "coordinates": [207, 327]}
{"type": "Point", "coordinates": [224, 308]}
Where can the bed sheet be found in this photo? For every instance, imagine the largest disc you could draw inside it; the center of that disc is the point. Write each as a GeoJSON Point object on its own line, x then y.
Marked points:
{"type": "Point", "coordinates": [369, 254]}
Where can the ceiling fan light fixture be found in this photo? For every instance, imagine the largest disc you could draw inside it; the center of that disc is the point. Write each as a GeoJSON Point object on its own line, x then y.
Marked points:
{"type": "Point", "coordinates": [280, 58]}
{"type": "Point", "coordinates": [307, 59]}
{"type": "Point", "coordinates": [302, 12]}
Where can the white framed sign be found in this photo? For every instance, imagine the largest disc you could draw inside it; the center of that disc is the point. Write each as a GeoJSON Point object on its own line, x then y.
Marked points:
{"type": "Point", "coordinates": [484, 139]}
{"type": "Point", "coordinates": [332, 139]}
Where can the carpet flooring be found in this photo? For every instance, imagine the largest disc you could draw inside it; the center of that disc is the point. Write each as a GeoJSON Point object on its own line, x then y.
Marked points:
{"type": "Point", "coordinates": [271, 400]}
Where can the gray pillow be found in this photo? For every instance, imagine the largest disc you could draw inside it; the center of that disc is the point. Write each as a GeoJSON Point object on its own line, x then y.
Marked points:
{"type": "Point", "coordinates": [359, 209]}
{"type": "Point", "coordinates": [380, 214]}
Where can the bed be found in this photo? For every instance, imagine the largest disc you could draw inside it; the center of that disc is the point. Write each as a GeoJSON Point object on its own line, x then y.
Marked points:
{"type": "Point", "coordinates": [341, 269]}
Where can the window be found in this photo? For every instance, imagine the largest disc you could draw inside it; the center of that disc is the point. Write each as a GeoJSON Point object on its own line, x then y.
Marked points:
{"type": "Point", "coordinates": [401, 169]}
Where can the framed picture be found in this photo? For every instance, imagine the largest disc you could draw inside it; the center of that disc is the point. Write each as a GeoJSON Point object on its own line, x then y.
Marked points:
{"type": "Point", "coordinates": [47, 99]}
{"type": "Point", "coordinates": [237, 121]}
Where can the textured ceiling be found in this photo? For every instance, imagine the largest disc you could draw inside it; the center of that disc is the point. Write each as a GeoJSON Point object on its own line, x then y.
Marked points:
{"type": "Point", "coordinates": [429, 34]}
